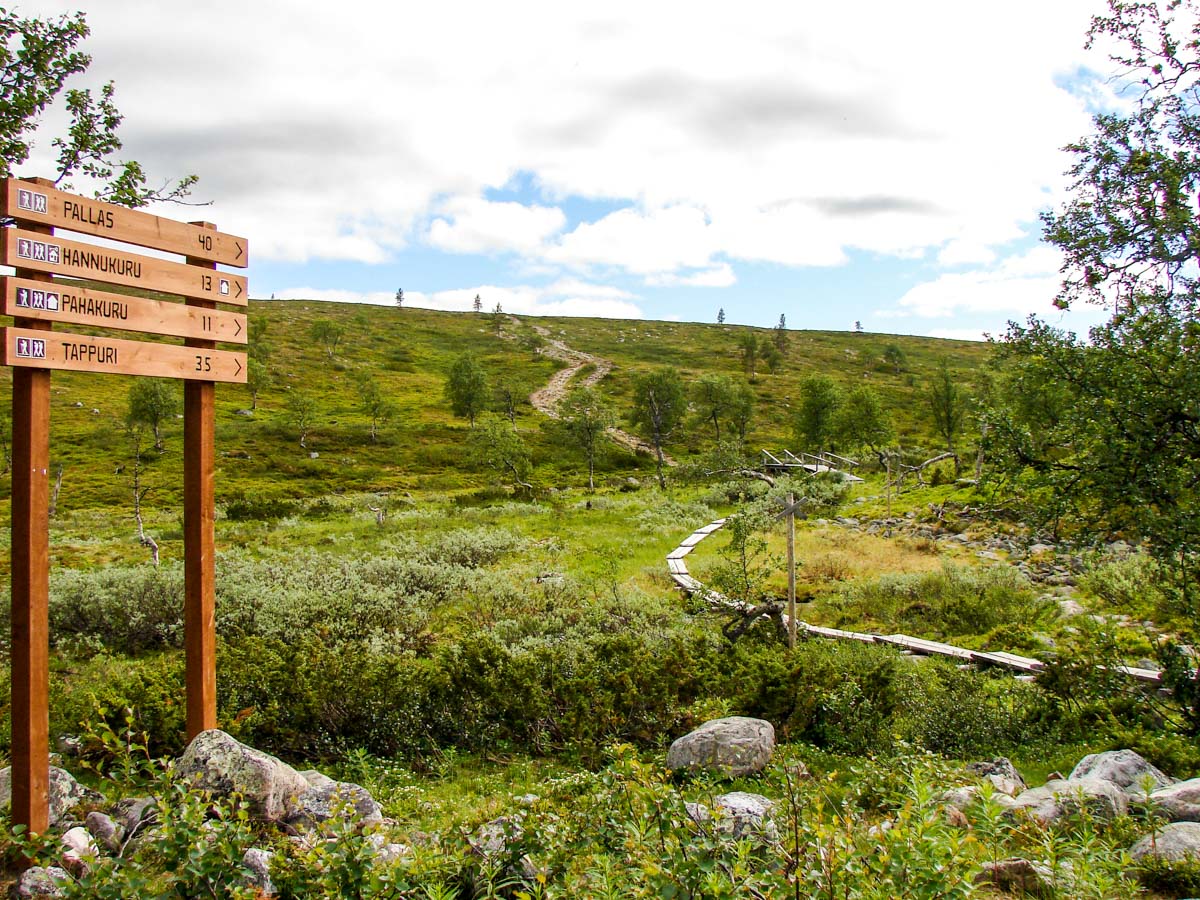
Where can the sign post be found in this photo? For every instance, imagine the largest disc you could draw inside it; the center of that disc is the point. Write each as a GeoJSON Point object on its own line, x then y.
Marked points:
{"type": "Point", "coordinates": [37, 300]}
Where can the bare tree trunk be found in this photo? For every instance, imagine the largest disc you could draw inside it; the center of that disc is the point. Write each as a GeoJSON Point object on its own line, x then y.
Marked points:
{"type": "Point", "coordinates": [53, 511]}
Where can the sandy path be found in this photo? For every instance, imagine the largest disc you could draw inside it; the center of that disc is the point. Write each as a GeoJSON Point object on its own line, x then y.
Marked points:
{"type": "Point", "coordinates": [547, 398]}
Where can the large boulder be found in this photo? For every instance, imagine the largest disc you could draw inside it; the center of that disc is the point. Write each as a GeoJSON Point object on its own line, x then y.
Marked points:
{"type": "Point", "coordinates": [1057, 799]}
{"type": "Point", "coordinates": [1175, 842]}
{"type": "Point", "coordinates": [65, 793]}
{"type": "Point", "coordinates": [732, 747]}
{"type": "Point", "coordinates": [337, 798]}
{"type": "Point", "coordinates": [1124, 768]}
{"type": "Point", "coordinates": [1179, 802]}
{"type": "Point", "coordinates": [216, 762]}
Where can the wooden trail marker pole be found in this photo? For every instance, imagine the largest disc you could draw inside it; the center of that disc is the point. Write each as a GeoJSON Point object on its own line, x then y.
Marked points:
{"type": "Point", "coordinates": [31, 588]}
{"type": "Point", "coordinates": [36, 300]}
{"type": "Point", "coordinates": [199, 573]}
{"type": "Point", "coordinates": [791, 564]}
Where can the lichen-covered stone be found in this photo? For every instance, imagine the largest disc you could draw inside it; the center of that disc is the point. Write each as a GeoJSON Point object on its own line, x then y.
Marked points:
{"type": "Point", "coordinates": [739, 814]}
{"type": "Point", "coordinates": [1175, 842]}
{"type": "Point", "coordinates": [321, 803]}
{"type": "Point", "coordinates": [1124, 768]}
{"type": "Point", "coordinates": [1056, 799]}
{"type": "Point", "coordinates": [65, 793]}
{"type": "Point", "coordinates": [733, 747]}
{"type": "Point", "coordinates": [216, 762]}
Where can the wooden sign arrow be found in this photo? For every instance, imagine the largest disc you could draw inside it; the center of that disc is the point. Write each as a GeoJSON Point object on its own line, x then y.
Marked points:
{"type": "Point", "coordinates": [83, 353]}
{"type": "Point", "coordinates": [50, 253]}
{"type": "Point", "coordinates": [26, 201]}
{"type": "Point", "coordinates": [63, 301]}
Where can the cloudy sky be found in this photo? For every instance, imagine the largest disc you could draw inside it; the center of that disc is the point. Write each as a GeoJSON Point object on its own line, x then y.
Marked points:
{"type": "Point", "coordinates": [875, 161]}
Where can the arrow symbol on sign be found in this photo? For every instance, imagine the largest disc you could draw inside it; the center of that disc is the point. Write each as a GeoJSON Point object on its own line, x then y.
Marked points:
{"type": "Point", "coordinates": [238, 285]}
{"type": "Point", "coordinates": [238, 323]}
{"type": "Point", "coordinates": [240, 251]}
{"type": "Point", "coordinates": [239, 366]}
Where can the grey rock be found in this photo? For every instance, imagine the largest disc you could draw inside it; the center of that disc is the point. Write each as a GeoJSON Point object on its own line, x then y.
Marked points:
{"type": "Point", "coordinates": [135, 812]}
{"type": "Point", "coordinates": [313, 454]}
{"type": "Point", "coordinates": [1057, 799]}
{"type": "Point", "coordinates": [388, 852]}
{"type": "Point", "coordinates": [964, 798]}
{"type": "Point", "coordinates": [698, 812]}
{"type": "Point", "coordinates": [78, 851]}
{"type": "Point", "coordinates": [1019, 877]}
{"type": "Point", "coordinates": [1041, 548]}
{"type": "Point", "coordinates": [216, 762]}
{"type": "Point", "coordinates": [1002, 774]}
{"type": "Point", "coordinates": [39, 882]}
{"type": "Point", "coordinates": [69, 745]}
{"type": "Point", "coordinates": [492, 838]}
{"type": "Point", "coordinates": [243, 412]}
{"type": "Point", "coordinates": [733, 747]}
{"type": "Point", "coordinates": [1124, 768]}
{"type": "Point", "coordinates": [1179, 802]}
{"type": "Point", "coordinates": [1069, 608]}
{"type": "Point", "coordinates": [338, 798]}
{"type": "Point", "coordinates": [740, 814]}
{"type": "Point", "coordinates": [65, 793]}
{"type": "Point", "coordinates": [106, 832]}
{"type": "Point", "coordinates": [1175, 842]}
{"type": "Point", "coordinates": [258, 865]}
{"type": "Point", "coordinates": [315, 778]}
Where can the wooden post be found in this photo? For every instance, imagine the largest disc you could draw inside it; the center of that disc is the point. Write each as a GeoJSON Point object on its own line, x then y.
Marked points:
{"type": "Point", "coordinates": [199, 562]}
{"type": "Point", "coordinates": [31, 587]}
{"type": "Point", "coordinates": [791, 564]}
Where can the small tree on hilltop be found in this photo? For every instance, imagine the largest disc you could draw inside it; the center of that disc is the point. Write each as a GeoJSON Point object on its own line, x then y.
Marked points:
{"type": "Point", "coordinates": [819, 401]}
{"type": "Point", "coordinates": [258, 378]}
{"type": "Point", "coordinates": [659, 406]}
{"type": "Point", "coordinates": [713, 395]}
{"type": "Point", "coordinates": [375, 404]}
{"type": "Point", "coordinates": [496, 445]}
{"type": "Point", "coordinates": [153, 402]}
{"type": "Point", "coordinates": [721, 316]}
{"type": "Point", "coordinates": [948, 408]}
{"type": "Point", "coordinates": [860, 421]}
{"type": "Point", "coordinates": [741, 409]}
{"type": "Point", "coordinates": [748, 345]}
{"type": "Point", "coordinates": [498, 319]}
{"type": "Point", "coordinates": [302, 412]}
{"type": "Point", "coordinates": [400, 296]}
{"type": "Point", "coordinates": [467, 388]}
{"type": "Point", "coordinates": [477, 306]}
{"type": "Point", "coordinates": [328, 333]}
{"type": "Point", "coordinates": [586, 418]}
{"type": "Point", "coordinates": [780, 337]}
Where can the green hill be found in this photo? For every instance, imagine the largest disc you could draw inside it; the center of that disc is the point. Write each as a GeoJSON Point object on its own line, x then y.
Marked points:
{"type": "Point", "coordinates": [408, 352]}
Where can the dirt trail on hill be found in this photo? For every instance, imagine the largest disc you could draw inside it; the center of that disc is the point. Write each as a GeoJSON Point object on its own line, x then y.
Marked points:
{"type": "Point", "coordinates": [546, 399]}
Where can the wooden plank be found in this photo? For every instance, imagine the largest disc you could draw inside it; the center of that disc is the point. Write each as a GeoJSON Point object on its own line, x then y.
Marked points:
{"type": "Point", "coordinates": [55, 256]}
{"type": "Point", "coordinates": [838, 634]}
{"type": "Point", "coordinates": [1009, 661]}
{"type": "Point", "coordinates": [679, 553]}
{"type": "Point", "coordinates": [199, 563]}
{"type": "Point", "coordinates": [26, 347]}
{"type": "Point", "coordinates": [29, 202]}
{"type": "Point", "coordinates": [65, 302]}
{"type": "Point", "coordinates": [693, 540]}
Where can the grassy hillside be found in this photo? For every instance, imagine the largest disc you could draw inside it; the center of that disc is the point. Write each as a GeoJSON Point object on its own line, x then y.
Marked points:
{"type": "Point", "coordinates": [409, 351]}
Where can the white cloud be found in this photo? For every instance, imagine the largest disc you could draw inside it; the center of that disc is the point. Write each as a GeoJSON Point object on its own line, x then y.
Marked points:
{"type": "Point", "coordinates": [474, 225]}
{"type": "Point", "coordinates": [1018, 285]}
{"type": "Point", "coordinates": [760, 131]}
{"type": "Point", "coordinates": [567, 297]}
{"type": "Point", "coordinates": [718, 276]}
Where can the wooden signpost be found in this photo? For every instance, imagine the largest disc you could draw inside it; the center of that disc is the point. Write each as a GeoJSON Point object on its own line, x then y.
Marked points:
{"type": "Point", "coordinates": [37, 301]}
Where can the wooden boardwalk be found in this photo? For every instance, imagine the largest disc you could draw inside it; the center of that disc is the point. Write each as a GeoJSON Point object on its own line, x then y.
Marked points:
{"type": "Point", "coordinates": [1024, 666]}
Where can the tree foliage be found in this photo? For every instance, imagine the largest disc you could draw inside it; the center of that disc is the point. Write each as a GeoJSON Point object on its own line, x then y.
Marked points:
{"type": "Point", "coordinates": [861, 422]}
{"type": "Point", "coordinates": [152, 402]}
{"type": "Point", "coordinates": [819, 402]}
{"type": "Point", "coordinates": [1104, 433]}
{"type": "Point", "coordinates": [659, 407]}
{"type": "Point", "coordinates": [497, 445]}
{"type": "Point", "coordinates": [37, 58]}
{"type": "Point", "coordinates": [467, 388]}
{"type": "Point", "coordinates": [586, 417]}
{"type": "Point", "coordinates": [947, 406]}
{"type": "Point", "coordinates": [377, 406]}
{"type": "Point", "coordinates": [328, 333]}
{"type": "Point", "coordinates": [713, 396]}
